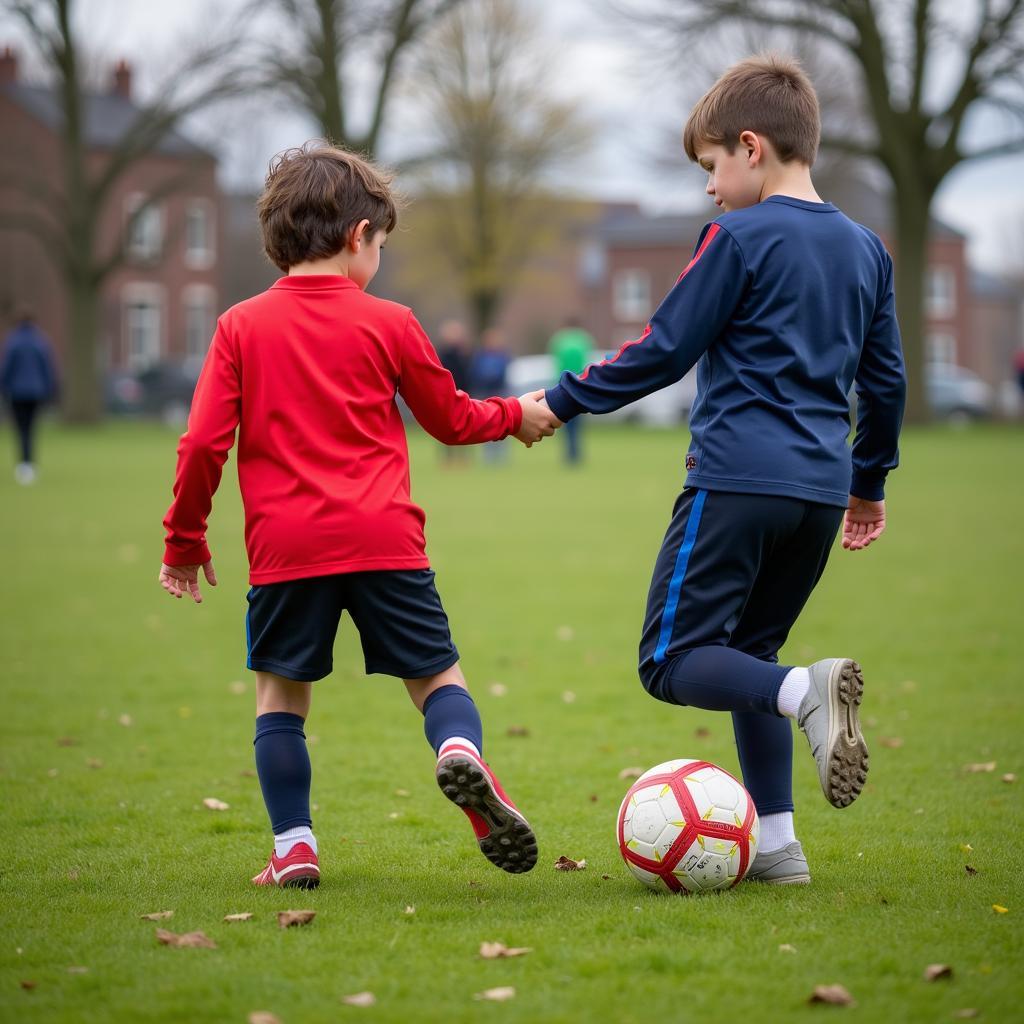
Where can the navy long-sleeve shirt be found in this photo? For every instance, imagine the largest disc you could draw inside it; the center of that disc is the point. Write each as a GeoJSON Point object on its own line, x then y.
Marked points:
{"type": "Point", "coordinates": [27, 372]}
{"type": "Point", "coordinates": [786, 305]}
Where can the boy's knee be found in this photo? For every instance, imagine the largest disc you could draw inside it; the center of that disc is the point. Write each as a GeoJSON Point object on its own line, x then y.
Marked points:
{"type": "Point", "coordinates": [652, 677]}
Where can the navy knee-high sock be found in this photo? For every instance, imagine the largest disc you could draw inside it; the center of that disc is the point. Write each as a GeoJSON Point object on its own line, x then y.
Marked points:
{"type": "Point", "coordinates": [450, 711]}
{"type": "Point", "coordinates": [765, 746]}
{"type": "Point", "coordinates": [282, 763]}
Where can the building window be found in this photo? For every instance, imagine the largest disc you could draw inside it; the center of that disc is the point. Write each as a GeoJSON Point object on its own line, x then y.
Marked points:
{"type": "Point", "coordinates": [631, 297]}
{"type": "Point", "coordinates": [142, 306]}
{"type": "Point", "coordinates": [940, 292]}
{"type": "Point", "coordinates": [200, 313]}
{"type": "Point", "coordinates": [200, 242]}
{"type": "Point", "coordinates": [942, 349]}
{"type": "Point", "coordinates": [144, 226]}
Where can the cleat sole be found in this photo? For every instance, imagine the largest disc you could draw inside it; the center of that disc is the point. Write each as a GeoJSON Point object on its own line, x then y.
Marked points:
{"type": "Point", "coordinates": [846, 757]}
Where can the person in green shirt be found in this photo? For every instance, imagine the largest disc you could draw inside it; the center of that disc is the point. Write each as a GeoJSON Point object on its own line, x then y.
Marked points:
{"type": "Point", "coordinates": [571, 348]}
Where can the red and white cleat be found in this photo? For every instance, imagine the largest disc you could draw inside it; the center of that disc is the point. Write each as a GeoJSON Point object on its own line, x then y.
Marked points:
{"type": "Point", "coordinates": [299, 870]}
{"type": "Point", "coordinates": [504, 835]}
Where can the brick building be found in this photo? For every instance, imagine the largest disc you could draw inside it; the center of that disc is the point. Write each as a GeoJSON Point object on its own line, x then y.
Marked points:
{"type": "Point", "coordinates": [160, 304]}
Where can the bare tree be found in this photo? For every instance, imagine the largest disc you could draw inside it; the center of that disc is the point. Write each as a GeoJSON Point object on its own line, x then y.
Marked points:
{"type": "Point", "coordinates": [327, 43]}
{"type": "Point", "coordinates": [916, 129]}
{"type": "Point", "coordinates": [497, 132]}
{"type": "Point", "coordinates": [67, 213]}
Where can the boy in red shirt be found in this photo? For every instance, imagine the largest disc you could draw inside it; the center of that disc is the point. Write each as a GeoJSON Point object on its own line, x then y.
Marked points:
{"type": "Point", "coordinates": [308, 372]}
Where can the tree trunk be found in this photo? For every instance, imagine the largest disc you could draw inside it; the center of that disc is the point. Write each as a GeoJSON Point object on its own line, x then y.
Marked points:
{"type": "Point", "coordinates": [483, 303]}
{"type": "Point", "coordinates": [910, 215]}
{"type": "Point", "coordinates": [82, 392]}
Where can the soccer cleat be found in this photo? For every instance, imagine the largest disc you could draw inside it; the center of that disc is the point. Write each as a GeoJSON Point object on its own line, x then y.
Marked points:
{"type": "Point", "coordinates": [787, 866]}
{"type": "Point", "coordinates": [504, 835]}
{"type": "Point", "coordinates": [299, 870]}
{"type": "Point", "coordinates": [828, 718]}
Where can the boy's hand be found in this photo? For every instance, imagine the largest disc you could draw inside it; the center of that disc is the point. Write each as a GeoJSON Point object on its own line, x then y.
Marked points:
{"type": "Point", "coordinates": [538, 420]}
{"type": "Point", "coordinates": [863, 523]}
{"type": "Point", "coordinates": [177, 579]}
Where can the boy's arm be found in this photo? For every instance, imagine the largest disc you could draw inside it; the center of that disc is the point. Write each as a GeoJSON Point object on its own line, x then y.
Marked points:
{"type": "Point", "coordinates": [440, 408]}
{"type": "Point", "coordinates": [881, 392]}
{"type": "Point", "coordinates": [688, 320]}
{"type": "Point", "coordinates": [203, 448]}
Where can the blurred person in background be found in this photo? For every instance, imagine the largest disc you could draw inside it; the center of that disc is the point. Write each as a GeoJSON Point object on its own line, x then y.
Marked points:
{"type": "Point", "coordinates": [454, 353]}
{"type": "Point", "coordinates": [28, 380]}
{"type": "Point", "coordinates": [488, 376]}
{"type": "Point", "coordinates": [570, 350]}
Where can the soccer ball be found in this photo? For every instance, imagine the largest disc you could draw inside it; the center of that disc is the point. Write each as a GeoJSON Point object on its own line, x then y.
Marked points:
{"type": "Point", "coordinates": [688, 826]}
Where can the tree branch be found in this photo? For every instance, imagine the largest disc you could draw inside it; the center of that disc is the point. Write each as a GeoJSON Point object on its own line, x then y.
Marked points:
{"type": "Point", "coordinates": [996, 149]}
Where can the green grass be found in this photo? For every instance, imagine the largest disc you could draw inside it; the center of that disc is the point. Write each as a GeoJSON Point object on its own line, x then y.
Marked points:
{"type": "Point", "coordinates": [933, 612]}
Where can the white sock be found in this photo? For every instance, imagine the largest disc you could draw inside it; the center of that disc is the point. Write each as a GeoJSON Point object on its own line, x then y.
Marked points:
{"type": "Point", "coordinates": [776, 831]}
{"type": "Point", "coordinates": [461, 742]}
{"type": "Point", "coordinates": [793, 690]}
{"type": "Point", "coordinates": [284, 841]}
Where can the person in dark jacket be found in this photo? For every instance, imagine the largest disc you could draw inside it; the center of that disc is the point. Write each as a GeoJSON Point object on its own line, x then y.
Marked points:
{"type": "Point", "coordinates": [28, 380]}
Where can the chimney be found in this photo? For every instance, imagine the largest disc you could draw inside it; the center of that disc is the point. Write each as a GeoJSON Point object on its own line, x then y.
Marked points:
{"type": "Point", "coordinates": [123, 80]}
{"type": "Point", "coordinates": [8, 67]}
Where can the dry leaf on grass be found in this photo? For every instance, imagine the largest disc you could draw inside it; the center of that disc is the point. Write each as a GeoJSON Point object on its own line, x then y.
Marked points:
{"type": "Point", "coordinates": [933, 972]}
{"type": "Point", "coordinates": [835, 995]}
{"type": "Point", "coordinates": [568, 864]}
{"type": "Point", "coordinates": [497, 950]}
{"type": "Point", "coordinates": [237, 917]}
{"type": "Point", "coordinates": [1000, 909]}
{"type": "Point", "coordinates": [785, 947]}
{"type": "Point", "coordinates": [410, 911]}
{"type": "Point", "coordinates": [93, 762]}
{"type": "Point", "coordinates": [517, 730]}
{"type": "Point", "coordinates": [970, 869]}
{"type": "Point", "coordinates": [78, 969]}
{"type": "Point", "coordinates": [966, 848]}
{"type": "Point", "coordinates": [981, 766]}
{"type": "Point", "coordinates": [892, 742]}
{"type": "Point", "coordinates": [359, 999]}
{"type": "Point", "coordinates": [497, 995]}
{"type": "Point", "coordinates": [294, 918]}
{"type": "Point", "coordinates": [263, 1017]}
{"type": "Point", "coordinates": [160, 915]}
{"type": "Point", "coordinates": [967, 1013]}
{"type": "Point", "coordinates": [237, 687]}
{"type": "Point", "coordinates": [401, 792]}
{"type": "Point", "coordinates": [702, 732]}
{"type": "Point", "coordinates": [631, 773]}
{"type": "Point", "coordinates": [28, 985]}
{"type": "Point", "coordinates": [67, 741]}
{"type": "Point", "coordinates": [214, 804]}
{"type": "Point", "coordinates": [195, 940]}
{"type": "Point", "coordinates": [1009, 777]}
{"type": "Point", "coordinates": [564, 633]}
{"type": "Point", "coordinates": [498, 689]}
{"type": "Point", "coordinates": [125, 720]}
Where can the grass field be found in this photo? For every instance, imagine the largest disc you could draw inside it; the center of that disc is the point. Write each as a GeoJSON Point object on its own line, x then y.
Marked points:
{"type": "Point", "coordinates": [121, 713]}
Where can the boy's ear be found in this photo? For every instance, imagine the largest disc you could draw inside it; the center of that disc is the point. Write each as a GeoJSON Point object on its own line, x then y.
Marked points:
{"type": "Point", "coordinates": [751, 142]}
{"type": "Point", "coordinates": [356, 234]}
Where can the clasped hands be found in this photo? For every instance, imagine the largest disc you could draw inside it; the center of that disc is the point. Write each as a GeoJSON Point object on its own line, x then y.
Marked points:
{"type": "Point", "coordinates": [538, 420]}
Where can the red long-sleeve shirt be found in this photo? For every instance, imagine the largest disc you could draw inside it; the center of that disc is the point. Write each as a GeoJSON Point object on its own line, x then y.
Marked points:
{"type": "Point", "coordinates": [308, 371]}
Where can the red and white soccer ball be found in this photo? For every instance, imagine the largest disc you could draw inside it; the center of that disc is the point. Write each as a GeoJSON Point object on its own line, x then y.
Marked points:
{"type": "Point", "coordinates": [688, 826]}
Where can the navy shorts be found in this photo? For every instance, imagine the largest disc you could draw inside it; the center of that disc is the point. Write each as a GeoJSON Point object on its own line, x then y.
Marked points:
{"type": "Point", "coordinates": [290, 627]}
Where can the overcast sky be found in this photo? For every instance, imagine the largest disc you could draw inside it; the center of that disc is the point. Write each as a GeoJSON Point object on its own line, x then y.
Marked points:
{"type": "Point", "coordinates": [635, 111]}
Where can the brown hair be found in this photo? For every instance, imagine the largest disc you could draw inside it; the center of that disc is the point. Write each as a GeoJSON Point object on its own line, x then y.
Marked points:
{"type": "Point", "coordinates": [769, 95]}
{"type": "Point", "coordinates": [314, 195]}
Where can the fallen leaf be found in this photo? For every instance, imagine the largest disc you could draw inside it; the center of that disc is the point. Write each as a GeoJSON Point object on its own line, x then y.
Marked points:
{"type": "Point", "coordinates": [290, 918]}
{"type": "Point", "coordinates": [497, 995]}
{"type": "Point", "coordinates": [53, 773]}
{"type": "Point", "coordinates": [409, 910]}
{"type": "Point", "coordinates": [401, 792]}
{"type": "Point", "coordinates": [836, 995]}
{"type": "Point", "coordinates": [568, 864]}
{"type": "Point", "coordinates": [160, 915]}
{"type": "Point", "coordinates": [631, 773]}
{"type": "Point", "coordinates": [29, 985]}
{"type": "Point", "coordinates": [702, 732]}
{"type": "Point", "coordinates": [933, 972]}
{"type": "Point", "coordinates": [73, 875]}
{"type": "Point", "coordinates": [77, 969]}
{"type": "Point", "coordinates": [93, 762]}
{"type": "Point", "coordinates": [593, 798]}
{"type": "Point", "coordinates": [247, 773]}
{"type": "Point", "coordinates": [517, 730]}
{"type": "Point", "coordinates": [67, 741]}
{"type": "Point", "coordinates": [606, 878]}
{"type": "Point", "coordinates": [966, 848]}
{"type": "Point", "coordinates": [214, 804]}
{"type": "Point", "coordinates": [497, 950]}
{"type": "Point", "coordinates": [981, 766]}
{"type": "Point", "coordinates": [237, 917]}
{"type": "Point", "coordinates": [970, 869]}
{"type": "Point", "coordinates": [564, 633]}
{"type": "Point", "coordinates": [125, 720]}
{"type": "Point", "coordinates": [967, 1013]}
{"type": "Point", "coordinates": [393, 815]}
{"type": "Point", "coordinates": [237, 687]}
{"type": "Point", "coordinates": [569, 697]}
{"type": "Point", "coordinates": [1009, 777]}
{"type": "Point", "coordinates": [263, 1017]}
{"type": "Point", "coordinates": [188, 939]}
{"type": "Point", "coordinates": [785, 947]}
{"type": "Point", "coordinates": [1000, 909]}
{"type": "Point", "coordinates": [498, 689]}
{"type": "Point", "coordinates": [892, 742]}
{"type": "Point", "coordinates": [359, 999]}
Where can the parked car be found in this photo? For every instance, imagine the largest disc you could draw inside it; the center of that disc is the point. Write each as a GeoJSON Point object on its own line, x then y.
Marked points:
{"type": "Point", "coordinates": [663, 408]}
{"type": "Point", "coordinates": [163, 390]}
{"type": "Point", "coordinates": [957, 394]}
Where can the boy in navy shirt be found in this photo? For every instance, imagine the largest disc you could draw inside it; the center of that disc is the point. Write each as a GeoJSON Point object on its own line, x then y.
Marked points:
{"type": "Point", "coordinates": [785, 305]}
{"type": "Point", "coordinates": [308, 373]}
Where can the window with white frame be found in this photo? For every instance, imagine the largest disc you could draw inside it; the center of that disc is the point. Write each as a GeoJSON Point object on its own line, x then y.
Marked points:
{"type": "Point", "coordinates": [142, 324]}
{"type": "Point", "coordinates": [631, 296]}
{"type": "Point", "coordinates": [942, 348]}
{"type": "Point", "coordinates": [144, 228]}
{"type": "Point", "coordinates": [200, 308]}
{"type": "Point", "coordinates": [940, 291]}
{"type": "Point", "coordinates": [200, 233]}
